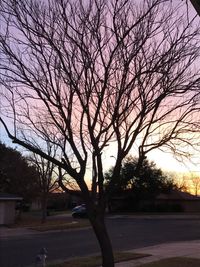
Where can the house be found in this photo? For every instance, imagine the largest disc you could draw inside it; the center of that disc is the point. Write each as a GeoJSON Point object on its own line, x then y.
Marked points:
{"type": "Point", "coordinates": [181, 200]}
{"type": "Point", "coordinates": [7, 208]}
{"type": "Point", "coordinates": [173, 201]}
{"type": "Point", "coordinates": [60, 200]}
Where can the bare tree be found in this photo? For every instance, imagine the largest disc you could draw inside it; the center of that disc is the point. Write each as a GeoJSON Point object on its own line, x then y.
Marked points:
{"type": "Point", "coordinates": [47, 180]}
{"type": "Point", "coordinates": [50, 178]}
{"type": "Point", "coordinates": [195, 183]}
{"type": "Point", "coordinates": [182, 182]}
{"type": "Point", "coordinates": [87, 73]}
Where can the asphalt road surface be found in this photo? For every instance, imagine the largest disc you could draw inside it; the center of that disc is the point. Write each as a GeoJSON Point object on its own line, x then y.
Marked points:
{"type": "Point", "coordinates": [126, 233]}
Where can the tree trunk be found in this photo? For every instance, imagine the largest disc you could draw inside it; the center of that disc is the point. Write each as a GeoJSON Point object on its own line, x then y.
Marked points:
{"type": "Point", "coordinates": [100, 230]}
{"type": "Point", "coordinates": [44, 208]}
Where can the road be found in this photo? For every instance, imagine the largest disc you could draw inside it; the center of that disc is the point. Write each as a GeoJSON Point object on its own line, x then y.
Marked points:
{"type": "Point", "coordinates": [126, 233]}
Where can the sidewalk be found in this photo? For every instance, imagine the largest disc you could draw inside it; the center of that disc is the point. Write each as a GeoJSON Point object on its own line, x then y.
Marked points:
{"type": "Point", "coordinates": [189, 249]}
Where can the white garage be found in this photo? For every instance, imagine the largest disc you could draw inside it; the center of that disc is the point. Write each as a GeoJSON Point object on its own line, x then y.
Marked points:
{"type": "Point", "coordinates": [7, 208]}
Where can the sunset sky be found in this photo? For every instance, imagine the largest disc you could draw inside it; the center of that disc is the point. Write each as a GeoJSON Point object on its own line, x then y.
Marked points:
{"type": "Point", "coordinates": [166, 161]}
{"type": "Point", "coordinates": [163, 160]}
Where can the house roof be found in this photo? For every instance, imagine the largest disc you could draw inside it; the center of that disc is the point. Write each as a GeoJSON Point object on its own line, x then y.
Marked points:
{"type": "Point", "coordinates": [6, 196]}
{"type": "Point", "coordinates": [177, 195]}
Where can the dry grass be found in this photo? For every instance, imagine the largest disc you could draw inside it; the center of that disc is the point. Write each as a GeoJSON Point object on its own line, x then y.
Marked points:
{"type": "Point", "coordinates": [61, 225]}
{"type": "Point", "coordinates": [174, 262]}
{"type": "Point", "coordinates": [94, 261]}
{"type": "Point", "coordinates": [33, 221]}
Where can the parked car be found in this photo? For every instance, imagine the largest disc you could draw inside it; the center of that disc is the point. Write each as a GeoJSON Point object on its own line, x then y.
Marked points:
{"type": "Point", "coordinates": [79, 211]}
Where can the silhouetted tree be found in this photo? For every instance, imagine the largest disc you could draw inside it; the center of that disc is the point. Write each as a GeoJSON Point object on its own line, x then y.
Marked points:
{"type": "Point", "coordinates": [146, 183]}
{"type": "Point", "coordinates": [195, 183]}
{"type": "Point", "coordinates": [182, 182]}
{"type": "Point", "coordinates": [87, 73]}
{"type": "Point", "coordinates": [47, 175]}
{"type": "Point", "coordinates": [16, 176]}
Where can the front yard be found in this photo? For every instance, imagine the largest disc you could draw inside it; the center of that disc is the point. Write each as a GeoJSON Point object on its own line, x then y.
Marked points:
{"type": "Point", "coordinates": [57, 221]}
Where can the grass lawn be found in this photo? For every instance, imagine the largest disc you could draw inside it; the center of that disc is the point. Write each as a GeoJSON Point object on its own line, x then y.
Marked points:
{"type": "Point", "coordinates": [94, 261]}
{"type": "Point", "coordinates": [174, 262]}
{"type": "Point", "coordinates": [59, 225]}
{"type": "Point", "coordinates": [33, 221]}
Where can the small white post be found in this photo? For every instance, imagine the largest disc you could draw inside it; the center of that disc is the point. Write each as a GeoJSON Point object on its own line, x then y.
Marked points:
{"type": "Point", "coordinates": [41, 258]}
